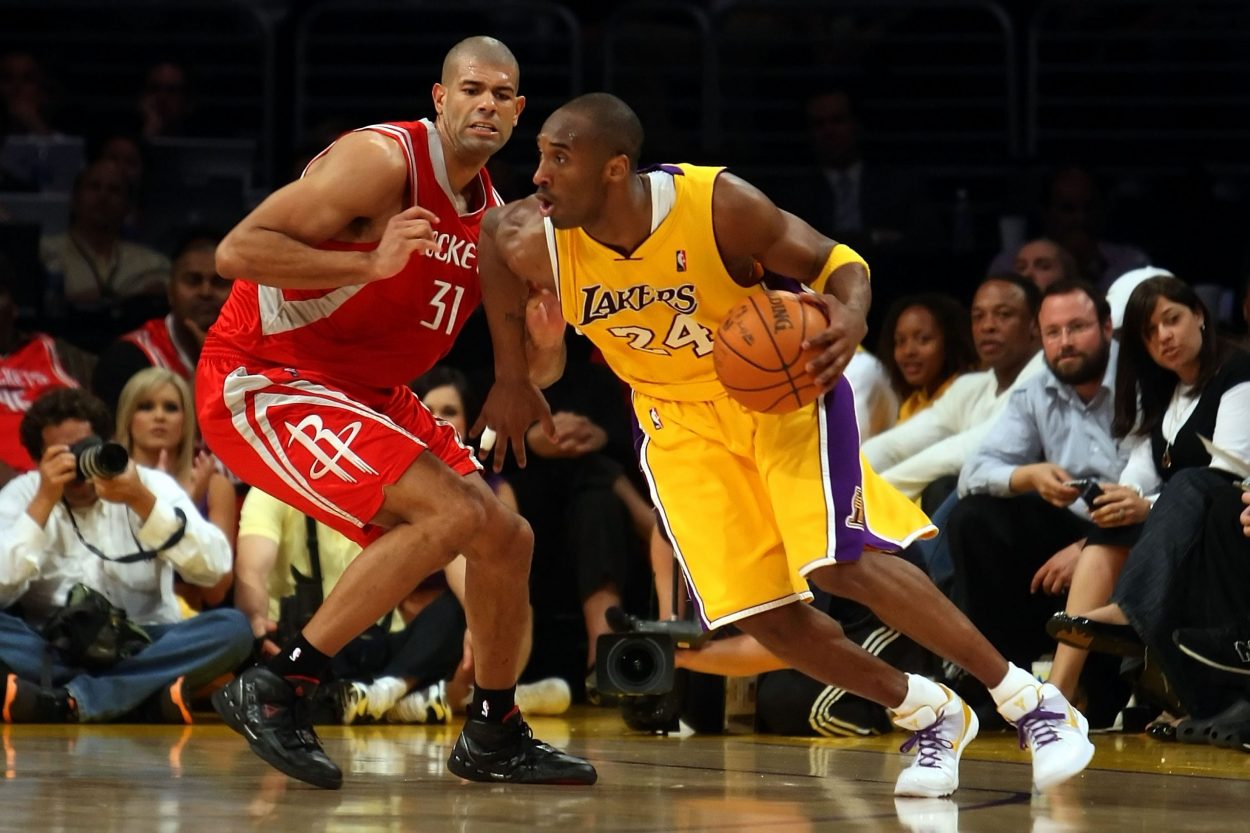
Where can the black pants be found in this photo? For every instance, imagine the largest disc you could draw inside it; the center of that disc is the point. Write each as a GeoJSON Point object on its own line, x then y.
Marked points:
{"type": "Point", "coordinates": [429, 648]}
{"type": "Point", "coordinates": [1190, 567]}
{"type": "Point", "coordinates": [789, 702]}
{"type": "Point", "coordinates": [997, 544]}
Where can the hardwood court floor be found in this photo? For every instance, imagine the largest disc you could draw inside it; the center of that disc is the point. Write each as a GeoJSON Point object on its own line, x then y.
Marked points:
{"type": "Point", "coordinates": [138, 779]}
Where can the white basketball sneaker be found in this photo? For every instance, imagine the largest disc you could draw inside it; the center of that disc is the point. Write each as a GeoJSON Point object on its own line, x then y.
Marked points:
{"type": "Point", "coordinates": [370, 701]}
{"type": "Point", "coordinates": [424, 705]}
{"type": "Point", "coordinates": [1056, 734]}
{"type": "Point", "coordinates": [548, 696]}
{"type": "Point", "coordinates": [939, 740]}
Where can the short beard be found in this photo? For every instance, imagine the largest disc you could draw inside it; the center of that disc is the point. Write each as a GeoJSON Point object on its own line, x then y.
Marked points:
{"type": "Point", "coordinates": [1091, 369]}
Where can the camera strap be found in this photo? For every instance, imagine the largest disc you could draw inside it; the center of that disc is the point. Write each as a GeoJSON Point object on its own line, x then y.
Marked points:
{"type": "Point", "coordinates": [142, 554]}
{"type": "Point", "coordinates": [314, 551]}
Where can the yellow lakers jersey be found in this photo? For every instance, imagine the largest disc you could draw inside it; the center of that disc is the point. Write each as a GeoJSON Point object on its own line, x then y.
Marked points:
{"type": "Point", "coordinates": [654, 314]}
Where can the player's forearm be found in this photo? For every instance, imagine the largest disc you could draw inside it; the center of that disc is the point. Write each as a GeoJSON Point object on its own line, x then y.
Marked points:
{"type": "Point", "coordinates": [271, 258]}
{"type": "Point", "coordinates": [849, 284]}
{"type": "Point", "coordinates": [505, 317]}
{"type": "Point", "coordinates": [504, 297]}
{"type": "Point", "coordinates": [737, 656]}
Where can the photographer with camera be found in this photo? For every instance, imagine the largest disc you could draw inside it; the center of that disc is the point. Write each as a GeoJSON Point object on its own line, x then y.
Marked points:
{"type": "Point", "coordinates": [89, 543]}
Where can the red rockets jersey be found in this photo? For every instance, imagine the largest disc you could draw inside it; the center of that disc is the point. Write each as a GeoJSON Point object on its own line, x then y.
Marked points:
{"type": "Point", "coordinates": [156, 340]}
{"type": "Point", "coordinates": [26, 374]}
{"type": "Point", "coordinates": [381, 334]}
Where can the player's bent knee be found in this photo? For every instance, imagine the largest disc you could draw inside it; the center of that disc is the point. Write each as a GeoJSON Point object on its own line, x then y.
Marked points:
{"type": "Point", "coordinates": [848, 581]}
{"type": "Point", "coordinates": [463, 514]}
{"type": "Point", "coordinates": [505, 536]}
{"type": "Point", "coordinates": [773, 627]}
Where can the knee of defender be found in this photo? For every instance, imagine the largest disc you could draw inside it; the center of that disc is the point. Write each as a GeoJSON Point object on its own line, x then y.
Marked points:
{"type": "Point", "coordinates": [464, 517]}
{"type": "Point", "coordinates": [519, 536]}
{"type": "Point", "coordinates": [506, 538]}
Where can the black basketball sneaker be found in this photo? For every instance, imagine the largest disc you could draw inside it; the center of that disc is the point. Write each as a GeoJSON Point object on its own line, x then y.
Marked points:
{"type": "Point", "coordinates": [507, 753]}
{"type": "Point", "coordinates": [274, 718]}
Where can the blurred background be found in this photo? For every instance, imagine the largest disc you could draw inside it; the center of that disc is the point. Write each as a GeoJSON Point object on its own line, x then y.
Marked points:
{"type": "Point", "coordinates": [978, 125]}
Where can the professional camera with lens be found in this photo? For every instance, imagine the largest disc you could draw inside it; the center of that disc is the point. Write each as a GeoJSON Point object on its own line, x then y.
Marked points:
{"type": "Point", "coordinates": [97, 458]}
{"type": "Point", "coordinates": [640, 661]}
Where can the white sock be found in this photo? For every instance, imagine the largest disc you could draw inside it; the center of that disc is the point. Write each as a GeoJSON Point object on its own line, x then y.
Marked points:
{"type": "Point", "coordinates": [1012, 683]}
{"type": "Point", "coordinates": [921, 692]}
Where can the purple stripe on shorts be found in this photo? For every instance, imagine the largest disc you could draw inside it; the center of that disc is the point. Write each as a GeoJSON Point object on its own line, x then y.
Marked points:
{"type": "Point", "coordinates": [846, 476]}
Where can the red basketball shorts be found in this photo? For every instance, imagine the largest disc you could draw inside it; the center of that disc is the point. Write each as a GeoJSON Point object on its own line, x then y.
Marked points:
{"type": "Point", "coordinates": [314, 446]}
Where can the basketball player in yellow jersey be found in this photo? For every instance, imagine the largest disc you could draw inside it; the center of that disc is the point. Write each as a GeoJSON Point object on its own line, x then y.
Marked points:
{"type": "Point", "coordinates": [646, 264]}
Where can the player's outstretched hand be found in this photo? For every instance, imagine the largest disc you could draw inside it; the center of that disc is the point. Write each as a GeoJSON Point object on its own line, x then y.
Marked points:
{"type": "Point", "coordinates": [838, 343]}
{"type": "Point", "coordinates": [411, 230]}
{"type": "Point", "coordinates": [511, 407]}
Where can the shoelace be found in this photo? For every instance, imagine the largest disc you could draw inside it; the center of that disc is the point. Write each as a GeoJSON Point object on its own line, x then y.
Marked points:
{"type": "Point", "coordinates": [1038, 724]}
{"type": "Point", "coordinates": [931, 743]}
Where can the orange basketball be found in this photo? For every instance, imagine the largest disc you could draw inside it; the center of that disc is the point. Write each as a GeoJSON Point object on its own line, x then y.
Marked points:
{"type": "Point", "coordinates": [759, 353]}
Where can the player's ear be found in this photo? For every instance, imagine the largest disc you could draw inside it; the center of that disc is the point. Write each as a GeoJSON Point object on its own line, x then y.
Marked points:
{"type": "Point", "coordinates": [439, 94]}
{"type": "Point", "coordinates": [520, 105]}
{"type": "Point", "coordinates": [619, 167]}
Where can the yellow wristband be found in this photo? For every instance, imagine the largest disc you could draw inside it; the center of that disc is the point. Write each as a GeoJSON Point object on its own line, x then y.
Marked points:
{"type": "Point", "coordinates": [840, 255]}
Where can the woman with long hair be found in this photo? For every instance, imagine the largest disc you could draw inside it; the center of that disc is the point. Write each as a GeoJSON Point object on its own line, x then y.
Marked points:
{"type": "Point", "coordinates": [156, 424]}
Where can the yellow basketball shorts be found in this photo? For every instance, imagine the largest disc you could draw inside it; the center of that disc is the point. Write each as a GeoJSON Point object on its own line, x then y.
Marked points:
{"type": "Point", "coordinates": [753, 503]}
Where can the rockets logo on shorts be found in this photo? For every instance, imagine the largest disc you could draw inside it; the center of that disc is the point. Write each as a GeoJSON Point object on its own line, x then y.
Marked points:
{"type": "Point", "coordinates": [328, 448]}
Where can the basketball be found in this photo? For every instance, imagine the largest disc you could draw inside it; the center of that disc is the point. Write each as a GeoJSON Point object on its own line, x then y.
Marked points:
{"type": "Point", "coordinates": [759, 355]}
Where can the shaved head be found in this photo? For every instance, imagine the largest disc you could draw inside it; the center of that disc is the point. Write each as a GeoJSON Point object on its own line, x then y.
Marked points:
{"type": "Point", "coordinates": [614, 126]}
{"type": "Point", "coordinates": [481, 47]}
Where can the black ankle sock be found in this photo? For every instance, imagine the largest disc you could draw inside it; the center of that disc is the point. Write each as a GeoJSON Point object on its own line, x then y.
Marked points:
{"type": "Point", "coordinates": [300, 663]}
{"type": "Point", "coordinates": [492, 705]}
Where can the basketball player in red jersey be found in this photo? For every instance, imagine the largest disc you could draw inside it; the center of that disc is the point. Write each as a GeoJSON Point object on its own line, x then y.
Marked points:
{"type": "Point", "coordinates": [350, 282]}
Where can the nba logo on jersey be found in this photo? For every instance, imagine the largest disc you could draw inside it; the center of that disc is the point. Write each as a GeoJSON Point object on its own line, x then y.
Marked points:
{"type": "Point", "coordinates": [681, 260]}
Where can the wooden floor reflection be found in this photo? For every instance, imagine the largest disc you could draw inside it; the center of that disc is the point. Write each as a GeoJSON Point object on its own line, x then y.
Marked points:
{"type": "Point", "coordinates": [203, 778]}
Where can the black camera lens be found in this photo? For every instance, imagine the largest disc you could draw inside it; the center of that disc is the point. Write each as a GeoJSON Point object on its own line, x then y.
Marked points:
{"type": "Point", "coordinates": [97, 458]}
{"type": "Point", "coordinates": [637, 665]}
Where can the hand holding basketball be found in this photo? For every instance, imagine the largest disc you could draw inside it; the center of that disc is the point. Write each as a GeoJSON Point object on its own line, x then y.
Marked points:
{"type": "Point", "coordinates": [837, 342]}
{"type": "Point", "coordinates": [760, 354]}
